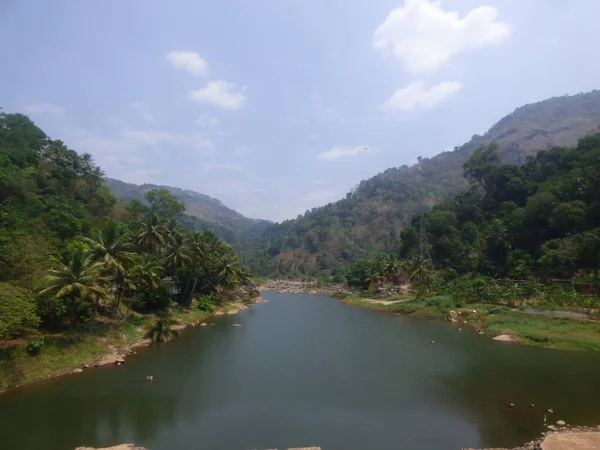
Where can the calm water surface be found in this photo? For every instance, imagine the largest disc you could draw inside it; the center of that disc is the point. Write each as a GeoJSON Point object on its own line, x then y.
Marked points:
{"type": "Point", "coordinates": [307, 370]}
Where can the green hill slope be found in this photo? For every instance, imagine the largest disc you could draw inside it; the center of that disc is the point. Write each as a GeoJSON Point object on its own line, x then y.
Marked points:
{"type": "Point", "coordinates": [202, 211]}
{"type": "Point", "coordinates": [371, 216]}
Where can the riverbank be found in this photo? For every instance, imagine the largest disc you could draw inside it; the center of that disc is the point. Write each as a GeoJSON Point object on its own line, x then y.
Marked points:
{"type": "Point", "coordinates": [501, 322]}
{"type": "Point", "coordinates": [562, 438]}
{"type": "Point", "coordinates": [109, 344]}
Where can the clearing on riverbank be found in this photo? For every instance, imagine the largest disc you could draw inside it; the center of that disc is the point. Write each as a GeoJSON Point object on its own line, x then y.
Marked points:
{"type": "Point", "coordinates": [531, 329]}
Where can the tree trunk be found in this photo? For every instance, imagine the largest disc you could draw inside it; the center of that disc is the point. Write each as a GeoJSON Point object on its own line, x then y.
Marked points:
{"type": "Point", "coordinates": [94, 308]}
{"type": "Point", "coordinates": [119, 291]}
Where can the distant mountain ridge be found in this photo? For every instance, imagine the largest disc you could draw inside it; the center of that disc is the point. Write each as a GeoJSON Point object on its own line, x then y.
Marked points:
{"type": "Point", "coordinates": [372, 215]}
{"type": "Point", "coordinates": [204, 211]}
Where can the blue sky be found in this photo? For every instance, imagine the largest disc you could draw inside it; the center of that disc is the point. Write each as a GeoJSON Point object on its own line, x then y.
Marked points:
{"type": "Point", "coordinates": [273, 106]}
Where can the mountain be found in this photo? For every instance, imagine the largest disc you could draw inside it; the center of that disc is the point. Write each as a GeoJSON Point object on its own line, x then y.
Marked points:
{"type": "Point", "coordinates": [370, 217]}
{"type": "Point", "coordinates": [201, 210]}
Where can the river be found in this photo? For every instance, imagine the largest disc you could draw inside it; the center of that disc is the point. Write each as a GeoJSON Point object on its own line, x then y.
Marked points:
{"type": "Point", "coordinates": [308, 370]}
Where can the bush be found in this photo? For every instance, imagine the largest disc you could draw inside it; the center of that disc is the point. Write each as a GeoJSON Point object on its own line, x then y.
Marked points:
{"type": "Point", "coordinates": [35, 346]}
{"type": "Point", "coordinates": [438, 300]}
{"type": "Point", "coordinates": [147, 298]}
{"type": "Point", "coordinates": [206, 303]}
{"type": "Point", "coordinates": [17, 311]}
{"type": "Point", "coordinates": [498, 309]}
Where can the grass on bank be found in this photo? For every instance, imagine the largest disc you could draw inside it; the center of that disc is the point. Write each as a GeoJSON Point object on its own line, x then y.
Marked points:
{"type": "Point", "coordinates": [64, 352]}
{"type": "Point", "coordinates": [530, 329]}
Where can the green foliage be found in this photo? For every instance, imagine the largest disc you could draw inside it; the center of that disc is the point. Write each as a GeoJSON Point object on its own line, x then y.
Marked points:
{"type": "Point", "coordinates": [17, 311]}
{"type": "Point", "coordinates": [35, 346]}
{"type": "Point", "coordinates": [64, 239]}
{"type": "Point", "coordinates": [376, 216]}
{"type": "Point", "coordinates": [206, 303]}
{"type": "Point", "coordinates": [160, 330]}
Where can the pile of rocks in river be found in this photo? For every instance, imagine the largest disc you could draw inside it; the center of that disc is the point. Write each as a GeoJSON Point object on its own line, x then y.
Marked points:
{"type": "Point", "coordinates": [308, 287]}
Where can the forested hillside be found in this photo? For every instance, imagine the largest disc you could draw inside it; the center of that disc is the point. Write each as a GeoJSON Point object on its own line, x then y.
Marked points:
{"type": "Point", "coordinates": [70, 252]}
{"type": "Point", "coordinates": [369, 219]}
{"type": "Point", "coordinates": [538, 221]}
{"type": "Point", "coordinates": [205, 212]}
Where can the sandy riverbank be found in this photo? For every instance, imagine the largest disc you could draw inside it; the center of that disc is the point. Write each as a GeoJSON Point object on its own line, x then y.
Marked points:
{"type": "Point", "coordinates": [565, 438]}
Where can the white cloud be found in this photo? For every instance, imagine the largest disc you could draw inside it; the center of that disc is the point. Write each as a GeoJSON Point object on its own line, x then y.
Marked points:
{"type": "Point", "coordinates": [144, 110]}
{"type": "Point", "coordinates": [206, 120]}
{"type": "Point", "coordinates": [425, 37]}
{"type": "Point", "coordinates": [417, 96]}
{"type": "Point", "coordinates": [43, 108]}
{"type": "Point", "coordinates": [220, 93]}
{"type": "Point", "coordinates": [222, 168]}
{"type": "Point", "coordinates": [190, 62]}
{"type": "Point", "coordinates": [339, 151]}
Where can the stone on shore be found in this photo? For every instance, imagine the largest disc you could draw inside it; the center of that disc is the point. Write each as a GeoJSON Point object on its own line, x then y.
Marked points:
{"type": "Point", "coordinates": [560, 423]}
{"type": "Point", "coordinates": [505, 338]}
{"type": "Point", "coordinates": [77, 370]}
{"type": "Point", "coordinates": [203, 324]}
{"type": "Point", "coordinates": [452, 317]}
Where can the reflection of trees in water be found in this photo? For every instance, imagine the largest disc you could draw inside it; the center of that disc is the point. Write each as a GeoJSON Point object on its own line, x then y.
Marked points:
{"type": "Point", "coordinates": [486, 387]}
{"type": "Point", "coordinates": [72, 412]}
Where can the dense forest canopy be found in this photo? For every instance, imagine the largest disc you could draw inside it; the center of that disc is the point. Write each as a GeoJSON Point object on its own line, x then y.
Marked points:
{"type": "Point", "coordinates": [69, 250]}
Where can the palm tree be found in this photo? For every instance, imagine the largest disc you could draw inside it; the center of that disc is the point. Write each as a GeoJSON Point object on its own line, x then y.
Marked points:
{"type": "Point", "coordinates": [177, 252]}
{"type": "Point", "coordinates": [393, 270]}
{"type": "Point", "coordinates": [159, 330]}
{"type": "Point", "coordinates": [78, 279]}
{"type": "Point", "coordinates": [111, 246]}
{"type": "Point", "coordinates": [152, 235]}
{"type": "Point", "coordinates": [147, 269]}
{"type": "Point", "coordinates": [229, 269]}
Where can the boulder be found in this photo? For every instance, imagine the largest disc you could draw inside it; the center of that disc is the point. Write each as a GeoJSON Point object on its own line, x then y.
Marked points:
{"type": "Point", "coordinates": [505, 338]}
{"type": "Point", "coordinates": [77, 370]}
{"type": "Point", "coordinates": [452, 317]}
{"type": "Point", "coordinates": [560, 423]}
{"type": "Point", "coordinates": [552, 428]}
{"type": "Point", "coordinates": [203, 324]}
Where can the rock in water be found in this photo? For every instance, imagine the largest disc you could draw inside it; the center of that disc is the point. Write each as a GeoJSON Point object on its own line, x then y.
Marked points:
{"type": "Point", "coordinates": [505, 338]}
{"type": "Point", "coordinates": [77, 370]}
{"type": "Point", "coordinates": [149, 378]}
{"type": "Point", "coordinates": [561, 423]}
{"type": "Point", "coordinates": [204, 324]}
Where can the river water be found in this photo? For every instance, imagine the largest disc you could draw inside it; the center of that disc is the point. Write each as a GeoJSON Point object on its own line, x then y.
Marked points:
{"type": "Point", "coordinates": [308, 370]}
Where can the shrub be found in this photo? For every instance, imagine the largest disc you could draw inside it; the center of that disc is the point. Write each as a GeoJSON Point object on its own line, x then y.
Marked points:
{"type": "Point", "coordinates": [498, 309]}
{"type": "Point", "coordinates": [35, 346]}
{"type": "Point", "coordinates": [206, 303]}
{"type": "Point", "coordinates": [438, 300]}
{"type": "Point", "coordinates": [17, 311]}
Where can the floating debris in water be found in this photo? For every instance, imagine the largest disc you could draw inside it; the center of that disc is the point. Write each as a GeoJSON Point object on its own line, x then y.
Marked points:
{"type": "Point", "coordinates": [149, 378]}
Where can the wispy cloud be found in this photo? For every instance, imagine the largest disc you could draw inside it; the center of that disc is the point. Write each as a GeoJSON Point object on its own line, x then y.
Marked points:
{"type": "Point", "coordinates": [207, 120]}
{"type": "Point", "coordinates": [220, 93]}
{"type": "Point", "coordinates": [190, 62]}
{"type": "Point", "coordinates": [221, 167]}
{"type": "Point", "coordinates": [418, 96]}
{"type": "Point", "coordinates": [340, 151]}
